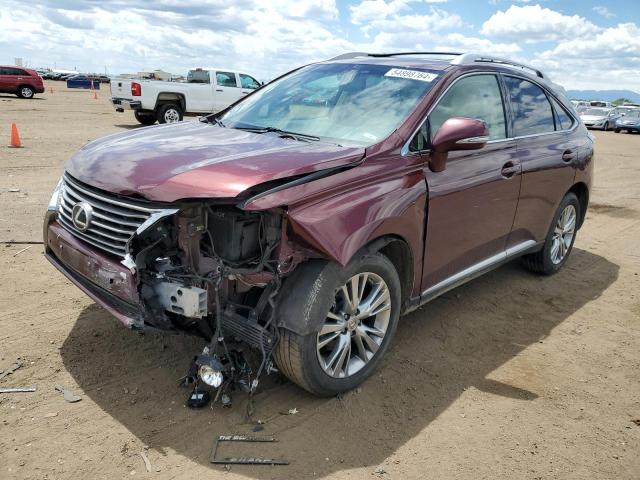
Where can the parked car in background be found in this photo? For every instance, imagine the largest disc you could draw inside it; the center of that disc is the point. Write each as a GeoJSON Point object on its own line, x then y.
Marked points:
{"type": "Point", "coordinates": [624, 109]}
{"type": "Point", "coordinates": [306, 218]}
{"type": "Point", "coordinates": [600, 118]}
{"type": "Point", "coordinates": [83, 81]}
{"type": "Point", "coordinates": [206, 90]}
{"type": "Point", "coordinates": [600, 103]}
{"type": "Point", "coordinates": [20, 81]}
{"type": "Point", "coordinates": [580, 105]}
{"type": "Point", "coordinates": [629, 122]}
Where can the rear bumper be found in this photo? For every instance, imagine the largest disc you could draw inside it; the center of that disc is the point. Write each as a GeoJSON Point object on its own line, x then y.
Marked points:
{"type": "Point", "coordinates": [102, 278]}
{"type": "Point", "coordinates": [122, 104]}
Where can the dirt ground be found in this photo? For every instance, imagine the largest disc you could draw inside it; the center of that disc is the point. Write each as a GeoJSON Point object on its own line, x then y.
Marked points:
{"type": "Point", "coordinates": [510, 376]}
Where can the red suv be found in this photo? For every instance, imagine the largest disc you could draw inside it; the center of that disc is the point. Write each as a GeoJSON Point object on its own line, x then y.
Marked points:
{"type": "Point", "coordinates": [20, 81]}
{"type": "Point", "coordinates": [306, 218]}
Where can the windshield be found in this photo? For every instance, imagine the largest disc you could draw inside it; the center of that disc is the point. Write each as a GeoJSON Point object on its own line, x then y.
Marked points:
{"type": "Point", "coordinates": [632, 113]}
{"type": "Point", "coordinates": [598, 112]}
{"type": "Point", "coordinates": [357, 104]}
{"type": "Point", "coordinates": [198, 76]}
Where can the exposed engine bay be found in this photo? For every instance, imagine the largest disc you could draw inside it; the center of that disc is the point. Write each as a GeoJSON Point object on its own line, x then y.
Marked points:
{"type": "Point", "coordinates": [215, 271]}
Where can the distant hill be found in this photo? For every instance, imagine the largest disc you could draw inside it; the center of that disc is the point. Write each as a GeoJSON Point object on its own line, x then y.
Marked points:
{"type": "Point", "coordinates": [605, 95]}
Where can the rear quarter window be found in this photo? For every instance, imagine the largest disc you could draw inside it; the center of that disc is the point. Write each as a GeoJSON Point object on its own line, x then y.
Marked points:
{"type": "Point", "coordinates": [532, 113]}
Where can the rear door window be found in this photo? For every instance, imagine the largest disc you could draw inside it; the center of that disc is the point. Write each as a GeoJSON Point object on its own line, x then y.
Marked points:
{"type": "Point", "coordinates": [563, 119]}
{"type": "Point", "coordinates": [226, 79]}
{"type": "Point", "coordinates": [532, 113]}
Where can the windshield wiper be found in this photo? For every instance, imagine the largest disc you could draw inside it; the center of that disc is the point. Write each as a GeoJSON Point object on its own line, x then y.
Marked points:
{"type": "Point", "coordinates": [213, 120]}
{"type": "Point", "coordinates": [297, 136]}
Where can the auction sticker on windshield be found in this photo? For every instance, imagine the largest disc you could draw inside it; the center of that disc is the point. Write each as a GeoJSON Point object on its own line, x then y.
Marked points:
{"type": "Point", "coordinates": [411, 74]}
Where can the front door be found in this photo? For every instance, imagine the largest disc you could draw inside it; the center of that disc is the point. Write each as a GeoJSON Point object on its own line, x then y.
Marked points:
{"type": "Point", "coordinates": [472, 203]}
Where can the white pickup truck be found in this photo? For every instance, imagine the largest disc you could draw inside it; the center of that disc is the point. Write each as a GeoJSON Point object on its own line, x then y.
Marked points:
{"type": "Point", "coordinates": [207, 90]}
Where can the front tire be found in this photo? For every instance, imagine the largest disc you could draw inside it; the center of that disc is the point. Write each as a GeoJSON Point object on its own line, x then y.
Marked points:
{"type": "Point", "coordinates": [617, 130]}
{"type": "Point", "coordinates": [354, 312]}
{"type": "Point", "coordinates": [144, 118]}
{"type": "Point", "coordinates": [26, 92]}
{"type": "Point", "coordinates": [169, 113]}
{"type": "Point", "coordinates": [560, 238]}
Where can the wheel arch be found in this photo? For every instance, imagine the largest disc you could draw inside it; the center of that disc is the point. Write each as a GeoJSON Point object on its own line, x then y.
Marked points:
{"type": "Point", "coordinates": [171, 97]}
{"type": "Point", "coordinates": [399, 253]}
{"type": "Point", "coordinates": [581, 191]}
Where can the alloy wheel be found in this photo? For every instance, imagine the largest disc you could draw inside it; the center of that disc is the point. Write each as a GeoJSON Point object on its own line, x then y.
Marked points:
{"type": "Point", "coordinates": [171, 115]}
{"type": "Point", "coordinates": [563, 234]}
{"type": "Point", "coordinates": [355, 326]}
{"type": "Point", "coordinates": [26, 92]}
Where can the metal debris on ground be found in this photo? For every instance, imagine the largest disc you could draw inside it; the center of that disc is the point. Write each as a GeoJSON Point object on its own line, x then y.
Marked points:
{"type": "Point", "coordinates": [23, 250]}
{"type": "Point", "coordinates": [68, 395]}
{"type": "Point", "coordinates": [292, 411]}
{"type": "Point", "coordinates": [245, 460]}
{"type": "Point", "coordinates": [16, 365]}
{"type": "Point", "coordinates": [147, 463]}
{"type": "Point", "coordinates": [18, 390]}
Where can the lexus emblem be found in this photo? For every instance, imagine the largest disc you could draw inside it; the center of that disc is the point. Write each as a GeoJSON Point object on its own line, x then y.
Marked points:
{"type": "Point", "coordinates": [81, 216]}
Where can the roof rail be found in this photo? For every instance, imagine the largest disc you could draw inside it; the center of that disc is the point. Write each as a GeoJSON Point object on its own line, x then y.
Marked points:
{"type": "Point", "coordinates": [346, 56]}
{"type": "Point", "coordinates": [460, 58]}
{"type": "Point", "coordinates": [469, 58]}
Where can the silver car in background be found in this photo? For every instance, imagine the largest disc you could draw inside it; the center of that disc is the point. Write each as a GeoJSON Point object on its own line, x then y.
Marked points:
{"type": "Point", "coordinates": [601, 118]}
{"type": "Point", "coordinates": [629, 121]}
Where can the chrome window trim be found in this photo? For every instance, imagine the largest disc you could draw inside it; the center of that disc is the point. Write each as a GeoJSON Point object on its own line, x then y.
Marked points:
{"type": "Point", "coordinates": [405, 148]}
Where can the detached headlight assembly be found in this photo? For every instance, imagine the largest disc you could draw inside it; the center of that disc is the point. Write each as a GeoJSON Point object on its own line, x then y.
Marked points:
{"type": "Point", "coordinates": [54, 203]}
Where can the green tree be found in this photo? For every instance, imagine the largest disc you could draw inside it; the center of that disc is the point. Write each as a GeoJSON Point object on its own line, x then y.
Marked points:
{"type": "Point", "coordinates": [621, 101]}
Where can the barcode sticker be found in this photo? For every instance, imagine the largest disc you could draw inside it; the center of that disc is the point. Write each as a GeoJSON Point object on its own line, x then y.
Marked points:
{"type": "Point", "coordinates": [411, 74]}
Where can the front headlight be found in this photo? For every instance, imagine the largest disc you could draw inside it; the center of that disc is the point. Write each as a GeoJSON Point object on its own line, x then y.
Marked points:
{"type": "Point", "coordinates": [55, 197]}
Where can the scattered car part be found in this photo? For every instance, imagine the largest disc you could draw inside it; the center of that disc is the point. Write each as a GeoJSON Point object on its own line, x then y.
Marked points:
{"type": "Point", "coordinates": [198, 398]}
{"type": "Point", "coordinates": [16, 365]}
{"type": "Point", "coordinates": [245, 460]}
{"type": "Point", "coordinates": [68, 395]}
{"type": "Point", "coordinates": [17, 389]}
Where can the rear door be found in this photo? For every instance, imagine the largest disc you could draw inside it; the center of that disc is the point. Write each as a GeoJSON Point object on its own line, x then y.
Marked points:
{"type": "Point", "coordinates": [227, 90]}
{"type": "Point", "coordinates": [472, 202]}
{"type": "Point", "coordinates": [547, 152]}
{"type": "Point", "coordinates": [10, 78]}
{"type": "Point", "coordinates": [5, 81]}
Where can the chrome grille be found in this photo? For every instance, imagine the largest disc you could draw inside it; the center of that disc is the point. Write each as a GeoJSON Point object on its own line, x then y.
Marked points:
{"type": "Point", "coordinates": [114, 220]}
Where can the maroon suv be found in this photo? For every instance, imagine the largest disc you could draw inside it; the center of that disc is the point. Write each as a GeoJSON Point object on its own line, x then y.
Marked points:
{"type": "Point", "coordinates": [20, 81]}
{"type": "Point", "coordinates": [307, 217]}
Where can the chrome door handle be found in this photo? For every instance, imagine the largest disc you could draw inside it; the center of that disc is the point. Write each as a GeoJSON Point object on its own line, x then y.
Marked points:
{"type": "Point", "coordinates": [569, 156]}
{"type": "Point", "coordinates": [509, 169]}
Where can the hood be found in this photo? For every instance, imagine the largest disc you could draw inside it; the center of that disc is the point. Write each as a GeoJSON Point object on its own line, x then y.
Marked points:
{"type": "Point", "coordinates": [198, 160]}
{"type": "Point", "coordinates": [593, 118]}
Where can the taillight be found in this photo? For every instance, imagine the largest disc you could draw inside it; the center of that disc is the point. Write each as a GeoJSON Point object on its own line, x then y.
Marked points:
{"type": "Point", "coordinates": [136, 89]}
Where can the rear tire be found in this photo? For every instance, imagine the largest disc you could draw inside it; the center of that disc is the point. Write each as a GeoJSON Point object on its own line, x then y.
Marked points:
{"type": "Point", "coordinates": [617, 130]}
{"type": "Point", "coordinates": [336, 357]}
{"type": "Point", "coordinates": [560, 238]}
{"type": "Point", "coordinates": [25, 91]}
{"type": "Point", "coordinates": [169, 113]}
{"type": "Point", "coordinates": [145, 118]}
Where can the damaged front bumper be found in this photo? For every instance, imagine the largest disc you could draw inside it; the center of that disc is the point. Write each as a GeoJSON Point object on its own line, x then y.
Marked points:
{"type": "Point", "coordinates": [105, 281]}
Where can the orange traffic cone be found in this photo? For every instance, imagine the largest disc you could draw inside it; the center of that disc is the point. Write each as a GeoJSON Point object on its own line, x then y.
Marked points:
{"type": "Point", "coordinates": [15, 137]}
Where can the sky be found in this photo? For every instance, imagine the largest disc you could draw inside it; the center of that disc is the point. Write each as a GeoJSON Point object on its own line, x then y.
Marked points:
{"type": "Point", "coordinates": [580, 44]}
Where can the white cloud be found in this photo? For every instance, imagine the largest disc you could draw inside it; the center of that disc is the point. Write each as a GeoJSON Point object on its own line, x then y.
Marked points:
{"type": "Point", "coordinates": [262, 38]}
{"type": "Point", "coordinates": [459, 42]}
{"type": "Point", "coordinates": [532, 23]}
{"type": "Point", "coordinates": [604, 11]}
{"type": "Point", "coordinates": [610, 59]}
